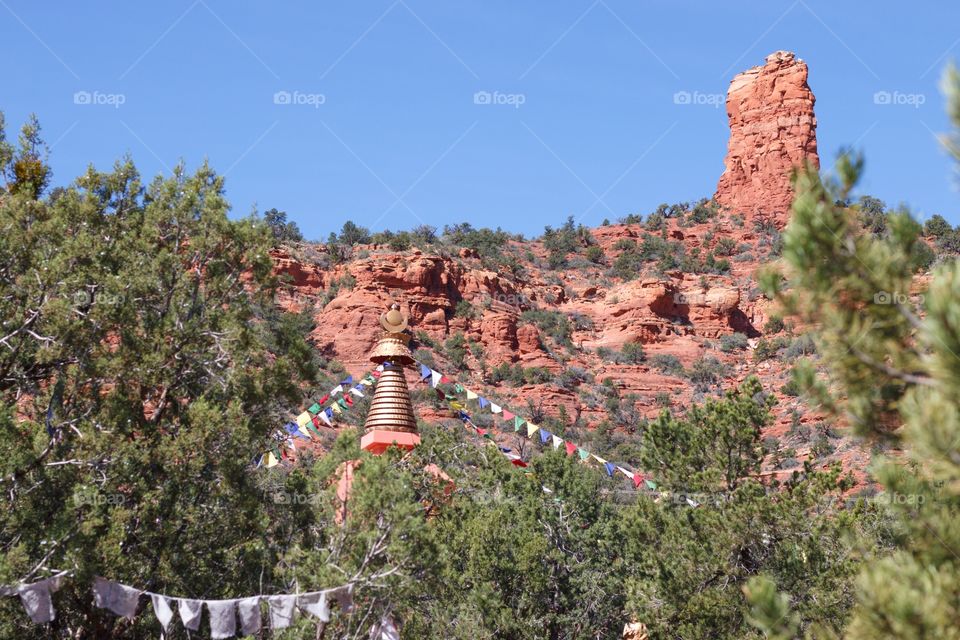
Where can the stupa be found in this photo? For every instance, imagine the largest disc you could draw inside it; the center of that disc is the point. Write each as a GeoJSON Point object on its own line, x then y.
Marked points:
{"type": "Point", "coordinates": [390, 420]}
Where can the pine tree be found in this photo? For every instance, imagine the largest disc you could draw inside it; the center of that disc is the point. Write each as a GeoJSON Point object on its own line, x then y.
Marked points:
{"type": "Point", "coordinates": [891, 345]}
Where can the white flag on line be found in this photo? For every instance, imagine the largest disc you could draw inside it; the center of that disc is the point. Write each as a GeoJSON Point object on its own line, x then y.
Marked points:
{"type": "Point", "coordinates": [223, 618]}
{"type": "Point", "coordinates": [161, 609]}
{"type": "Point", "coordinates": [120, 599]}
{"type": "Point", "coordinates": [281, 611]}
{"type": "Point", "coordinates": [190, 612]}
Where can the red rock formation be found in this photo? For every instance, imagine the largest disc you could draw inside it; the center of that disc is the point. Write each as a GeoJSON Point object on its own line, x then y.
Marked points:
{"type": "Point", "coordinates": [772, 130]}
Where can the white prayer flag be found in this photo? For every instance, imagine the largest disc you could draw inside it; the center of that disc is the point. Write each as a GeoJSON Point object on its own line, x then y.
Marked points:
{"type": "Point", "coordinates": [120, 599]}
{"type": "Point", "coordinates": [557, 441]}
{"type": "Point", "coordinates": [249, 610]}
{"type": "Point", "coordinates": [316, 605]}
{"type": "Point", "coordinates": [435, 377]}
{"type": "Point", "coordinates": [281, 611]}
{"type": "Point", "coordinates": [223, 618]}
{"type": "Point", "coordinates": [161, 609]}
{"type": "Point", "coordinates": [36, 599]}
{"type": "Point", "coordinates": [190, 611]}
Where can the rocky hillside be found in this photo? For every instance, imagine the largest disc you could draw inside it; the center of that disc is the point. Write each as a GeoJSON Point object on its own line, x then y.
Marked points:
{"type": "Point", "coordinates": [597, 330]}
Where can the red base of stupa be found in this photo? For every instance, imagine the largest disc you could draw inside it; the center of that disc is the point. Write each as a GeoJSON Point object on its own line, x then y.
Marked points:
{"type": "Point", "coordinates": [378, 441]}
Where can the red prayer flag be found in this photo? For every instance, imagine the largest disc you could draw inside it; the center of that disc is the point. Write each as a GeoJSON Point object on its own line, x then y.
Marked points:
{"type": "Point", "coordinates": [519, 463]}
{"type": "Point", "coordinates": [348, 399]}
{"type": "Point", "coordinates": [507, 415]}
{"type": "Point", "coordinates": [324, 399]}
{"type": "Point", "coordinates": [571, 448]}
{"type": "Point", "coordinates": [481, 432]}
{"type": "Point", "coordinates": [637, 479]}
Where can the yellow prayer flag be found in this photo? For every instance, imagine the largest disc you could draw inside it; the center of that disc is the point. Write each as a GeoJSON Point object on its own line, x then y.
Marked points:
{"type": "Point", "coordinates": [304, 419]}
{"type": "Point", "coordinates": [531, 429]}
{"type": "Point", "coordinates": [271, 460]}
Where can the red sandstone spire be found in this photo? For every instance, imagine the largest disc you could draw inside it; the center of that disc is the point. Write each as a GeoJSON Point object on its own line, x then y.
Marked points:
{"type": "Point", "coordinates": [773, 130]}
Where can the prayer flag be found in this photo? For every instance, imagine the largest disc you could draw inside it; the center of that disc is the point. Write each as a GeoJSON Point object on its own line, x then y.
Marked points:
{"type": "Point", "coordinates": [637, 479]}
{"type": "Point", "coordinates": [557, 441]}
{"type": "Point", "coordinates": [507, 415]}
{"type": "Point", "coordinates": [471, 395]}
{"type": "Point", "coordinates": [610, 467]}
{"type": "Point", "coordinates": [483, 402]}
{"type": "Point", "coordinates": [518, 422]}
{"type": "Point", "coordinates": [495, 408]}
{"type": "Point", "coordinates": [347, 382]}
{"type": "Point", "coordinates": [571, 448]}
{"type": "Point", "coordinates": [314, 408]}
{"type": "Point", "coordinates": [583, 453]}
{"type": "Point", "coordinates": [356, 391]}
{"type": "Point", "coordinates": [271, 460]}
{"type": "Point", "coordinates": [531, 429]}
{"type": "Point", "coordinates": [425, 371]}
{"type": "Point", "coordinates": [544, 436]}
{"type": "Point", "coordinates": [337, 389]}
{"type": "Point", "coordinates": [435, 377]}
{"type": "Point", "coordinates": [303, 418]}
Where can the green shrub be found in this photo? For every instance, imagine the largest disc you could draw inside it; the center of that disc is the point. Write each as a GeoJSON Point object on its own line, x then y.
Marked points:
{"type": "Point", "coordinates": [552, 323]}
{"type": "Point", "coordinates": [456, 349]}
{"type": "Point", "coordinates": [465, 309]}
{"type": "Point", "coordinates": [707, 372]}
{"type": "Point", "coordinates": [667, 363]}
{"type": "Point", "coordinates": [633, 353]}
{"type": "Point", "coordinates": [595, 254]}
{"type": "Point", "coordinates": [800, 346]}
{"type": "Point", "coordinates": [733, 342]}
{"type": "Point", "coordinates": [774, 325]}
{"type": "Point", "coordinates": [725, 247]}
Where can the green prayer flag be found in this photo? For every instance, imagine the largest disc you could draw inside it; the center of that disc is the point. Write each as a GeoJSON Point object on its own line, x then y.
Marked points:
{"type": "Point", "coordinates": [583, 453]}
{"type": "Point", "coordinates": [517, 423]}
{"type": "Point", "coordinates": [312, 429]}
{"type": "Point", "coordinates": [458, 388]}
{"type": "Point", "coordinates": [343, 403]}
{"type": "Point", "coordinates": [651, 484]}
{"type": "Point", "coordinates": [314, 408]}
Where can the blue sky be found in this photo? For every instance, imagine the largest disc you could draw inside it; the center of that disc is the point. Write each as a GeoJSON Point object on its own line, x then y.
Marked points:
{"type": "Point", "coordinates": [369, 111]}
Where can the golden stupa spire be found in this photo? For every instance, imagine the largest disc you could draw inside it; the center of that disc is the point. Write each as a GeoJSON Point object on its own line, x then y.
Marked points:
{"type": "Point", "coordinates": [390, 419]}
